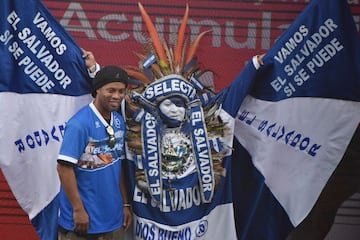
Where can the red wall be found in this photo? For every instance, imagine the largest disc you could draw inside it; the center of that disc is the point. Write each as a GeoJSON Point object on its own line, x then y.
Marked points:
{"type": "Point", "coordinates": [14, 222]}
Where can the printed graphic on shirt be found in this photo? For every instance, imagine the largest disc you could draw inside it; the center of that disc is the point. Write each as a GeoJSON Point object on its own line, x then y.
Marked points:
{"type": "Point", "coordinates": [92, 159]}
{"type": "Point", "coordinates": [99, 153]}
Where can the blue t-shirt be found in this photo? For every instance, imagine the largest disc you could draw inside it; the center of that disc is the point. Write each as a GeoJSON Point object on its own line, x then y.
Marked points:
{"type": "Point", "coordinates": [97, 169]}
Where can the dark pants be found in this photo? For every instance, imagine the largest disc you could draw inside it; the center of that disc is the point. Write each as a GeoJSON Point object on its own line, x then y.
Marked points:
{"type": "Point", "coordinates": [117, 234]}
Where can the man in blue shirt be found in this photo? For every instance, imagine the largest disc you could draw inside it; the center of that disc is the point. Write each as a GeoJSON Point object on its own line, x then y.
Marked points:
{"type": "Point", "coordinates": [93, 196]}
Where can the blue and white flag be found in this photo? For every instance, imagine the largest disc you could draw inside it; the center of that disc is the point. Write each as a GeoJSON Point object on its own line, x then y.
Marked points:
{"type": "Point", "coordinates": [43, 82]}
{"type": "Point", "coordinates": [296, 122]}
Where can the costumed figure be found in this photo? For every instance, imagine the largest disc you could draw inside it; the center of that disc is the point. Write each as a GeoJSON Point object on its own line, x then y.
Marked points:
{"type": "Point", "coordinates": [178, 138]}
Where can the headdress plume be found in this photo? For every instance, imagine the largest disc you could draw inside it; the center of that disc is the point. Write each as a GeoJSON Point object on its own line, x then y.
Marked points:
{"type": "Point", "coordinates": [194, 46]}
{"type": "Point", "coordinates": [180, 39]}
{"type": "Point", "coordinates": [154, 36]}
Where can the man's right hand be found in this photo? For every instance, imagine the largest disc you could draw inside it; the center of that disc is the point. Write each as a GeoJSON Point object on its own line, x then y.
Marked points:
{"type": "Point", "coordinates": [81, 222]}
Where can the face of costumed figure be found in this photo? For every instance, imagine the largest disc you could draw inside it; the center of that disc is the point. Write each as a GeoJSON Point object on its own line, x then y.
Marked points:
{"type": "Point", "coordinates": [172, 111]}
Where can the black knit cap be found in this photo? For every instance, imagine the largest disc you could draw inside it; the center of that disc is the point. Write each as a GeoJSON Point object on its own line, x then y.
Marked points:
{"type": "Point", "coordinates": [107, 75]}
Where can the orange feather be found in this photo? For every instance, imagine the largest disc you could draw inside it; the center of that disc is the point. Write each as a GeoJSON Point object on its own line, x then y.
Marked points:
{"type": "Point", "coordinates": [193, 48]}
{"type": "Point", "coordinates": [154, 36]}
{"type": "Point", "coordinates": [180, 38]}
{"type": "Point", "coordinates": [137, 75]}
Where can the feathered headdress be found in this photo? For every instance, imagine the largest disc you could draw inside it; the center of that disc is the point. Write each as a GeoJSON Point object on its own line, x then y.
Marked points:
{"type": "Point", "coordinates": [161, 60]}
